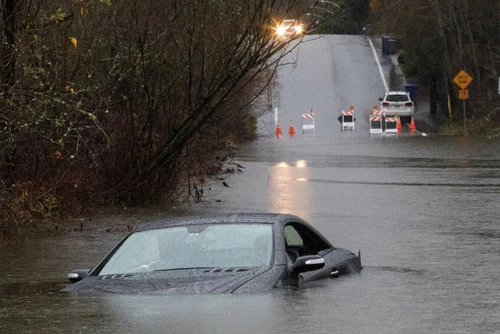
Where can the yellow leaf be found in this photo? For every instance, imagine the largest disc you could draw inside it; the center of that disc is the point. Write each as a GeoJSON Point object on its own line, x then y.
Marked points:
{"type": "Point", "coordinates": [74, 42]}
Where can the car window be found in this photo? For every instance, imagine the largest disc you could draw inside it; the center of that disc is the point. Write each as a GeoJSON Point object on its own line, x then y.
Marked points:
{"type": "Point", "coordinates": [300, 239]}
{"type": "Point", "coordinates": [198, 246]}
{"type": "Point", "coordinates": [397, 98]}
{"type": "Point", "coordinates": [292, 237]}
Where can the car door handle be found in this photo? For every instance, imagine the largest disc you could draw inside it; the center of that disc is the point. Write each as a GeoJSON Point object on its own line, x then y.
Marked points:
{"type": "Point", "coordinates": [334, 272]}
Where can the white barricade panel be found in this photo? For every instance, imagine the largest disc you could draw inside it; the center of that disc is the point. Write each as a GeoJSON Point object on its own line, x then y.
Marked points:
{"type": "Point", "coordinates": [308, 122]}
{"type": "Point", "coordinates": [376, 125]}
{"type": "Point", "coordinates": [391, 125]}
{"type": "Point", "coordinates": [347, 120]}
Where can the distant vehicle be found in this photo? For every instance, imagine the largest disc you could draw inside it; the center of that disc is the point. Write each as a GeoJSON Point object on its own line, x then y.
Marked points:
{"type": "Point", "coordinates": [233, 253]}
{"type": "Point", "coordinates": [397, 103]}
{"type": "Point", "coordinates": [289, 28]}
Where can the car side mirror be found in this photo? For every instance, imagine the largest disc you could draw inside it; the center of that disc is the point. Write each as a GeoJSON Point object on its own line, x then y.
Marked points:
{"type": "Point", "coordinates": [306, 263]}
{"type": "Point", "coordinates": [380, 99]}
{"type": "Point", "coordinates": [78, 274]}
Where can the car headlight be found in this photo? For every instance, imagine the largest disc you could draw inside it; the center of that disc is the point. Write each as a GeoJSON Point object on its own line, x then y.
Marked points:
{"type": "Point", "coordinates": [280, 30]}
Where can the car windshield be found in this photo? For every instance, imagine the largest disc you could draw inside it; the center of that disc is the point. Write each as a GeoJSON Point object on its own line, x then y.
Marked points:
{"type": "Point", "coordinates": [397, 98]}
{"type": "Point", "coordinates": [193, 246]}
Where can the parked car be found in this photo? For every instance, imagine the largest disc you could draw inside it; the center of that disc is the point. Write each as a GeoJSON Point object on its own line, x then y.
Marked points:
{"type": "Point", "coordinates": [397, 103]}
{"type": "Point", "coordinates": [232, 253]}
{"type": "Point", "coordinates": [289, 28]}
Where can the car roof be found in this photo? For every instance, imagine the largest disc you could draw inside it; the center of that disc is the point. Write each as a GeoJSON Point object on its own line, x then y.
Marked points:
{"type": "Point", "coordinates": [290, 21]}
{"type": "Point", "coordinates": [233, 218]}
{"type": "Point", "coordinates": [397, 93]}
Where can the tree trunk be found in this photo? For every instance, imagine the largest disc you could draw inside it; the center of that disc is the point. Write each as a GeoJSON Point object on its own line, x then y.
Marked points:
{"type": "Point", "coordinates": [9, 33]}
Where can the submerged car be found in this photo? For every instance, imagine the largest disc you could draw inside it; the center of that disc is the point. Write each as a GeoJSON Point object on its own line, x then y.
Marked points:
{"type": "Point", "coordinates": [397, 103]}
{"type": "Point", "coordinates": [232, 253]}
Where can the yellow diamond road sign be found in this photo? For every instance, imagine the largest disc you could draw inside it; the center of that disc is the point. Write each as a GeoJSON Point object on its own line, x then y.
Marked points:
{"type": "Point", "coordinates": [462, 79]}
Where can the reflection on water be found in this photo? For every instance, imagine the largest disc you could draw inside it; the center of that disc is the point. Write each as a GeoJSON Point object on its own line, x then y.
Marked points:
{"type": "Point", "coordinates": [429, 238]}
{"type": "Point", "coordinates": [301, 164]}
{"type": "Point", "coordinates": [427, 229]}
{"type": "Point", "coordinates": [286, 193]}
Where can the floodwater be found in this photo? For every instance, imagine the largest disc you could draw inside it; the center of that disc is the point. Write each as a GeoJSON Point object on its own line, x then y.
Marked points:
{"type": "Point", "coordinates": [423, 210]}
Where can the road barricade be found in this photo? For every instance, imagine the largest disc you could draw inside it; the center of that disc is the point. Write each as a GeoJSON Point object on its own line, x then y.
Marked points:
{"type": "Point", "coordinates": [347, 119]}
{"type": "Point", "coordinates": [308, 122]}
{"type": "Point", "coordinates": [391, 125]}
{"type": "Point", "coordinates": [377, 122]}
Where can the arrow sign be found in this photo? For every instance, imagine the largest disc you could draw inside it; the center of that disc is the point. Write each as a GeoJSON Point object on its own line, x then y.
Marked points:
{"type": "Point", "coordinates": [462, 79]}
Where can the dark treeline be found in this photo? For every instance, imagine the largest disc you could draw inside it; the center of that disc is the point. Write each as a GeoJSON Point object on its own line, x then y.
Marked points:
{"type": "Point", "coordinates": [108, 102]}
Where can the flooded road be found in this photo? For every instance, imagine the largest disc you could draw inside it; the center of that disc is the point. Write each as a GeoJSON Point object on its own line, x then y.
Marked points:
{"type": "Point", "coordinates": [422, 210]}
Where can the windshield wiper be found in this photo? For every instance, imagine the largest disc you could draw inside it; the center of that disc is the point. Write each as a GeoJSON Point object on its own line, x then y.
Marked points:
{"type": "Point", "coordinates": [185, 268]}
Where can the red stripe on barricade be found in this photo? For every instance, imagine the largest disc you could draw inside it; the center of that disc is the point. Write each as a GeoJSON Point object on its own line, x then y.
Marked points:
{"type": "Point", "coordinates": [377, 113]}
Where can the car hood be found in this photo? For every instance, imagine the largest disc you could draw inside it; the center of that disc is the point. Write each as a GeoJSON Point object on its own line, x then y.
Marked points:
{"type": "Point", "coordinates": [185, 281]}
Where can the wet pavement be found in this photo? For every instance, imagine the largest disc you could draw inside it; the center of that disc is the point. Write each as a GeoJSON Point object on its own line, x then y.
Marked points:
{"type": "Point", "coordinates": [423, 211]}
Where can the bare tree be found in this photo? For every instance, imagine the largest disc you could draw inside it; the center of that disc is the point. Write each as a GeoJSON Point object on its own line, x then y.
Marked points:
{"type": "Point", "coordinates": [106, 101]}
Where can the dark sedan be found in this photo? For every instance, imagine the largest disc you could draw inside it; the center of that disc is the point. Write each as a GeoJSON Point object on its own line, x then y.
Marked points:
{"type": "Point", "coordinates": [233, 253]}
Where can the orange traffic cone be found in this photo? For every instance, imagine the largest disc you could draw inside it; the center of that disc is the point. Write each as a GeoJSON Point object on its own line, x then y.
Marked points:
{"type": "Point", "coordinates": [412, 125]}
{"type": "Point", "coordinates": [398, 124]}
{"type": "Point", "coordinates": [291, 129]}
{"type": "Point", "coordinates": [278, 131]}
